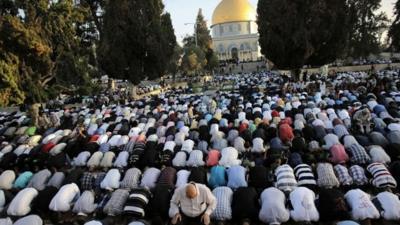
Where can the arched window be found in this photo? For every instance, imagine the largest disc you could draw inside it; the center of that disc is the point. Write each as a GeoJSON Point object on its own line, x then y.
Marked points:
{"type": "Point", "coordinates": [248, 47]}
{"type": "Point", "coordinates": [242, 47]}
{"type": "Point", "coordinates": [221, 48]}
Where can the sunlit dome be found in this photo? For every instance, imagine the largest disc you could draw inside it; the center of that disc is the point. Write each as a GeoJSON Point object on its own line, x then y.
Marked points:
{"type": "Point", "coordinates": [233, 11]}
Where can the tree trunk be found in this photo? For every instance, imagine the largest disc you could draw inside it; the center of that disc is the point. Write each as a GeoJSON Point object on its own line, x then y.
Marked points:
{"type": "Point", "coordinates": [133, 93]}
{"type": "Point", "coordinates": [34, 113]}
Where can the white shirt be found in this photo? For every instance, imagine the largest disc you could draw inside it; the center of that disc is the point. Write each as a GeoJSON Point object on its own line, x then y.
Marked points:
{"type": "Point", "coordinates": [203, 202]}
{"type": "Point", "coordinates": [122, 159]}
{"type": "Point", "coordinates": [48, 138]}
{"type": "Point", "coordinates": [179, 159]}
{"type": "Point", "coordinates": [62, 201]}
{"type": "Point", "coordinates": [150, 177]}
{"type": "Point", "coordinates": [361, 205]}
{"type": "Point", "coordinates": [111, 180]}
{"type": "Point", "coordinates": [29, 220]}
{"type": "Point", "coordinates": [102, 139]}
{"type": "Point", "coordinates": [95, 159]}
{"type": "Point", "coordinates": [2, 201]}
{"type": "Point", "coordinates": [93, 222]}
{"type": "Point", "coordinates": [390, 204]}
{"type": "Point", "coordinates": [21, 149]}
{"type": "Point", "coordinates": [179, 138]}
{"type": "Point", "coordinates": [304, 209]}
{"type": "Point", "coordinates": [238, 143]}
{"type": "Point", "coordinates": [114, 140]}
{"type": "Point", "coordinates": [123, 140]}
{"type": "Point", "coordinates": [378, 154]}
{"type": "Point", "coordinates": [229, 157]}
{"type": "Point", "coordinates": [169, 145]}
{"type": "Point", "coordinates": [85, 204]}
{"type": "Point", "coordinates": [107, 160]}
{"type": "Point", "coordinates": [195, 159]}
{"type": "Point", "coordinates": [6, 221]}
{"type": "Point", "coordinates": [187, 146]}
{"type": "Point", "coordinates": [57, 149]}
{"type": "Point", "coordinates": [330, 140]}
{"type": "Point", "coordinates": [7, 179]}
{"type": "Point", "coordinates": [81, 159]}
{"type": "Point", "coordinates": [182, 178]}
{"type": "Point", "coordinates": [258, 145]}
{"type": "Point", "coordinates": [21, 203]}
{"type": "Point", "coordinates": [273, 210]}
{"type": "Point", "coordinates": [135, 131]}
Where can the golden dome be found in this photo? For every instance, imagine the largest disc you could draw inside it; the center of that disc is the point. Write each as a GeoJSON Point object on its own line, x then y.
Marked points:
{"type": "Point", "coordinates": [233, 11]}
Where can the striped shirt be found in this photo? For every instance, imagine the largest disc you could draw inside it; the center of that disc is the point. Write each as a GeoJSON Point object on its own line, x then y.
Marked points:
{"type": "Point", "coordinates": [304, 175]}
{"type": "Point", "coordinates": [381, 176]}
{"type": "Point", "coordinates": [285, 179]}
{"type": "Point", "coordinates": [137, 202]}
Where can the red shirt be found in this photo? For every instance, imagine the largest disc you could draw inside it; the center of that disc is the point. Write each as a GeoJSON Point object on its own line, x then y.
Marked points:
{"type": "Point", "coordinates": [338, 154]}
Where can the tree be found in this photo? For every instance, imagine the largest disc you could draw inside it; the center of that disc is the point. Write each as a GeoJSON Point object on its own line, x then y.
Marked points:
{"type": "Point", "coordinates": [298, 32]}
{"type": "Point", "coordinates": [38, 44]}
{"type": "Point", "coordinates": [10, 89]}
{"type": "Point", "coordinates": [202, 56]}
{"type": "Point", "coordinates": [8, 7]}
{"type": "Point", "coordinates": [174, 62]}
{"type": "Point", "coordinates": [394, 31]}
{"type": "Point", "coordinates": [137, 40]}
{"type": "Point", "coordinates": [367, 27]}
{"type": "Point", "coordinates": [193, 60]}
{"type": "Point", "coordinates": [205, 41]}
{"type": "Point", "coordinates": [96, 9]}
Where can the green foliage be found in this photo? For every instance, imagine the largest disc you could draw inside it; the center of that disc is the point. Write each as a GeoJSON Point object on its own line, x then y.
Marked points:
{"type": "Point", "coordinates": [10, 91]}
{"type": "Point", "coordinates": [201, 57]}
{"type": "Point", "coordinates": [298, 32]}
{"type": "Point", "coordinates": [193, 60]}
{"type": "Point", "coordinates": [138, 39]}
{"type": "Point", "coordinates": [44, 41]}
{"type": "Point", "coordinates": [367, 27]}
{"type": "Point", "coordinates": [174, 62]}
{"type": "Point", "coordinates": [394, 31]}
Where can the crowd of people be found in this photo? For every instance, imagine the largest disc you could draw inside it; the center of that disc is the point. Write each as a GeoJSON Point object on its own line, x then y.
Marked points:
{"type": "Point", "coordinates": [272, 151]}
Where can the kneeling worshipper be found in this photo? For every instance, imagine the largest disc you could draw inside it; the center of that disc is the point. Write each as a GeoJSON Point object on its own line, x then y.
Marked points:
{"type": "Point", "coordinates": [192, 204]}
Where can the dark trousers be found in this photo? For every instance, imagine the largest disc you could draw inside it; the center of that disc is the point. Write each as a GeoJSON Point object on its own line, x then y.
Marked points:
{"type": "Point", "coordinates": [186, 220]}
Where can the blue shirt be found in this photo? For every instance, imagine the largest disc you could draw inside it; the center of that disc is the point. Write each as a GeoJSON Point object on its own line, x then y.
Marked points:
{"type": "Point", "coordinates": [23, 180]}
{"type": "Point", "coordinates": [237, 177]}
{"type": "Point", "coordinates": [217, 177]}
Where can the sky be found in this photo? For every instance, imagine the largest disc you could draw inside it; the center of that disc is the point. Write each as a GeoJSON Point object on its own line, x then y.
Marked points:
{"type": "Point", "coordinates": [185, 11]}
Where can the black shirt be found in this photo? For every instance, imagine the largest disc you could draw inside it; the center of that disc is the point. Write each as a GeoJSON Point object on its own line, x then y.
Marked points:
{"type": "Point", "coordinates": [258, 177]}
{"type": "Point", "coordinates": [332, 205]}
{"type": "Point", "coordinates": [160, 202]}
{"type": "Point", "coordinates": [198, 175]}
{"type": "Point", "coordinates": [245, 203]}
